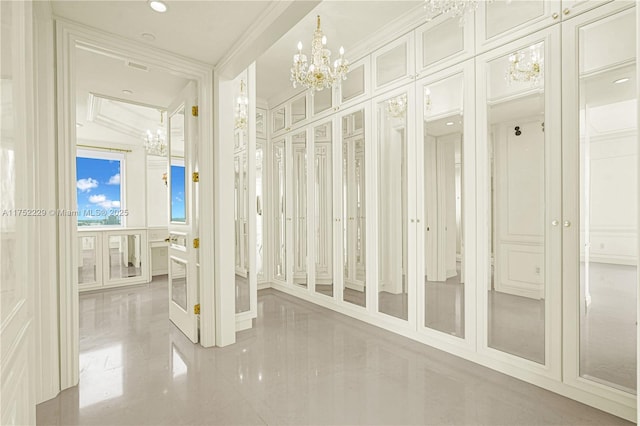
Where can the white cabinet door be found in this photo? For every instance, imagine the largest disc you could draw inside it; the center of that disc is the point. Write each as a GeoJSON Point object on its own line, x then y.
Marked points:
{"type": "Point", "coordinates": [502, 21]}
{"type": "Point", "coordinates": [393, 64]}
{"type": "Point", "coordinates": [519, 202]}
{"type": "Point", "coordinates": [600, 205]}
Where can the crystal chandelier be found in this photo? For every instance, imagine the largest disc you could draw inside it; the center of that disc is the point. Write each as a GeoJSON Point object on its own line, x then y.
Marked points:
{"type": "Point", "coordinates": [242, 108]}
{"type": "Point", "coordinates": [526, 66]}
{"type": "Point", "coordinates": [453, 8]}
{"type": "Point", "coordinates": [318, 74]}
{"type": "Point", "coordinates": [396, 107]}
{"type": "Point", "coordinates": [156, 144]}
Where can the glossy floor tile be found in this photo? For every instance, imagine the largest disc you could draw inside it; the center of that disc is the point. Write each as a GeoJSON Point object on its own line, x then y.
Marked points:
{"type": "Point", "coordinates": [300, 364]}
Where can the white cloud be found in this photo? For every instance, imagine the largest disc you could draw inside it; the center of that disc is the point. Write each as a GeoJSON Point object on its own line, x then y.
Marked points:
{"type": "Point", "coordinates": [103, 202]}
{"type": "Point", "coordinates": [114, 180]}
{"type": "Point", "coordinates": [86, 185]}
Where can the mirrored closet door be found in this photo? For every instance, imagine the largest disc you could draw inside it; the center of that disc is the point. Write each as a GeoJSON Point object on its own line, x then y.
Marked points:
{"type": "Point", "coordinates": [600, 204]}
{"type": "Point", "coordinates": [354, 207]}
{"type": "Point", "coordinates": [519, 200]}
{"type": "Point", "coordinates": [323, 208]}
{"type": "Point", "coordinates": [446, 197]}
{"type": "Point", "coordinates": [395, 201]}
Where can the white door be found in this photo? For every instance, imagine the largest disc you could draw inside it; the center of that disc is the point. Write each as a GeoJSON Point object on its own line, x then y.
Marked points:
{"type": "Point", "coordinates": [17, 405]}
{"type": "Point", "coordinates": [183, 271]}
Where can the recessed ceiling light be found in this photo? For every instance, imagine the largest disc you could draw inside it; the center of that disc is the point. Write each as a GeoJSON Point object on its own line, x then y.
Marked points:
{"type": "Point", "coordinates": [158, 6]}
{"type": "Point", "coordinates": [127, 92]}
{"type": "Point", "coordinates": [148, 36]}
{"type": "Point", "coordinates": [621, 80]}
{"type": "Point", "coordinates": [449, 123]}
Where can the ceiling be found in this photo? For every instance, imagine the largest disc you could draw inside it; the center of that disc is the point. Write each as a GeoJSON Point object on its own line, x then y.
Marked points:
{"type": "Point", "coordinates": [345, 23]}
{"type": "Point", "coordinates": [201, 30]}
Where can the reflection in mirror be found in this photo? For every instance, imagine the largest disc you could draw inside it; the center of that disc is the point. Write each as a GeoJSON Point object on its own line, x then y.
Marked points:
{"type": "Point", "coordinates": [261, 130]}
{"type": "Point", "coordinates": [178, 271]}
{"type": "Point", "coordinates": [299, 110]}
{"type": "Point", "coordinates": [443, 208]}
{"type": "Point", "coordinates": [353, 208]}
{"type": "Point", "coordinates": [87, 260]}
{"type": "Point", "coordinates": [516, 144]}
{"type": "Point", "coordinates": [241, 224]}
{"type": "Point", "coordinates": [278, 119]}
{"type": "Point", "coordinates": [608, 203]}
{"type": "Point", "coordinates": [322, 100]}
{"type": "Point", "coordinates": [354, 84]}
{"type": "Point", "coordinates": [177, 173]}
{"type": "Point", "coordinates": [259, 216]}
{"type": "Point", "coordinates": [280, 213]}
{"type": "Point", "coordinates": [392, 207]}
{"type": "Point", "coordinates": [125, 256]}
{"type": "Point", "coordinates": [322, 184]}
{"type": "Point", "coordinates": [391, 65]}
{"type": "Point", "coordinates": [300, 208]}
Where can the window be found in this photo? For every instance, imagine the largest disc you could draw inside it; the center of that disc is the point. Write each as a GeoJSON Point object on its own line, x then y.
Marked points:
{"type": "Point", "coordinates": [178, 213]}
{"type": "Point", "coordinates": [99, 184]}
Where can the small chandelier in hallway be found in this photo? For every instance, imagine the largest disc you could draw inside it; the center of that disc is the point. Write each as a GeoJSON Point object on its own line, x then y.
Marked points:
{"type": "Point", "coordinates": [242, 108]}
{"type": "Point", "coordinates": [156, 144]}
{"type": "Point", "coordinates": [318, 74]}
{"type": "Point", "coordinates": [453, 8]}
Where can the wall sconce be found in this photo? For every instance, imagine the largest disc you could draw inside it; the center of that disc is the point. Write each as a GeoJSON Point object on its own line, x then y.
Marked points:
{"type": "Point", "coordinates": [164, 179]}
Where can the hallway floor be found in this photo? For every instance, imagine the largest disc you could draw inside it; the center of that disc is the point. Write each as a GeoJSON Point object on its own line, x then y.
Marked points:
{"type": "Point", "coordinates": [300, 364]}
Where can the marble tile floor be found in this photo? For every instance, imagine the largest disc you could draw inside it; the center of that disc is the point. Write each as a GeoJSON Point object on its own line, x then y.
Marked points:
{"type": "Point", "coordinates": [300, 364]}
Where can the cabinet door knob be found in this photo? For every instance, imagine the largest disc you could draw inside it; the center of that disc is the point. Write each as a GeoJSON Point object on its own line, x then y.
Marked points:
{"type": "Point", "coordinates": [555, 223]}
{"type": "Point", "coordinates": [566, 224]}
{"type": "Point", "coordinates": [566, 11]}
{"type": "Point", "coordinates": [555, 16]}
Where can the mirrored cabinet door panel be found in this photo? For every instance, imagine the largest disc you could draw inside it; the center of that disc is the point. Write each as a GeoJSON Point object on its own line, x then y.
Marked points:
{"type": "Point", "coordinates": [323, 209]}
{"type": "Point", "coordinates": [260, 222]}
{"type": "Point", "coordinates": [503, 21]}
{"type": "Point", "coordinates": [354, 210]}
{"type": "Point", "coordinates": [279, 185]}
{"type": "Point", "coordinates": [356, 82]}
{"type": "Point", "coordinates": [516, 148]}
{"type": "Point", "coordinates": [261, 123]}
{"type": "Point", "coordinates": [125, 256]}
{"type": "Point", "coordinates": [279, 119]}
{"type": "Point", "coordinates": [394, 62]}
{"type": "Point", "coordinates": [443, 210]}
{"type": "Point", "coordinates": [603, 254]}
{"type": "Point", "coordinates": [88, 258]}
{"type": "Point", "coordinates": [322, 101]}
{"type": "Point", "coordinates": [393, 200]}
{"type": "Point", "coordinates": [299, 204]}
{"type": "Point", "coordinates": [299, 110]}
{"type": "Point", "coordinates": [178, 289]}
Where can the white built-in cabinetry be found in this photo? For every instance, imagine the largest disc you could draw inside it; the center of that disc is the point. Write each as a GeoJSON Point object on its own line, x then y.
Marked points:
{"type": "Point", "coordinates": [441, 192]}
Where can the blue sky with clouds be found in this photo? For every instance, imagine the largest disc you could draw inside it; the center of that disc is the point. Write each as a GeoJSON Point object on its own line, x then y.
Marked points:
{"type": "Point", "coordinates": [177, 193]}
{"type": "Point", "coordinates": [98, 185]}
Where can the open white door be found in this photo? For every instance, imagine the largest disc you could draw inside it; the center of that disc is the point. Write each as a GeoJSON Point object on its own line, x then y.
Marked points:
{"type": "Point", "coordinates": [183, 228]}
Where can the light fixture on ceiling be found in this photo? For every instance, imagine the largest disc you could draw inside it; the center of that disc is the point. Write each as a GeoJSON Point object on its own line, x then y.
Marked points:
{"type": "Point", "coordinates": [319, 74]}
{"type": "Point", "coordinates": [453, 8]}
{"type": "Point", "coordinates": [397, 107]}
{"type": "Point", "coordinates": [526, 65]}
{"type": "Point", "coordinates": [242, 107]}
{"type": "Point", "coordinates": [621, 80]}
{"type": "Point", "coordinates": [156, 144]}
{"type": "Point", "coordinates": [158, 6]}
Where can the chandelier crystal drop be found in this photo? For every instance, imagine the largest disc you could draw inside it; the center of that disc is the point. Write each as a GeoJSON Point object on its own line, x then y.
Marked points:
{"type": "Point", "coordinates": [526, 66]}
{"type": "Point", "coordinates": [156, 144]}
{"type": "Point", "coordinates": [242, 108]}
{"type": "Point", "coordinates": [397, 107]}
{"type": "Point", "coordinates": [319, 74]}
{"type": "Point", "coordinates": [452, 8]}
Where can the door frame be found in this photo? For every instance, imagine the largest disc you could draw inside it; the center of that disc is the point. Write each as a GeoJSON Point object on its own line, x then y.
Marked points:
{"type": "Point", "coordinates": [69, 36]}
